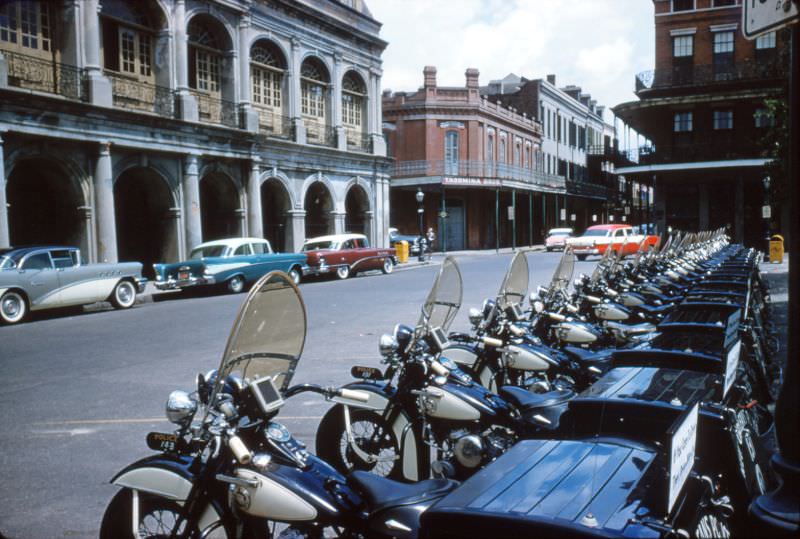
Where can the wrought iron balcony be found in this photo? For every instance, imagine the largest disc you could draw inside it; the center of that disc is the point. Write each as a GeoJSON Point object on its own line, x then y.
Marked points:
{"type": "Point", "coordinates": [712, 74]}
{"type": "Point", "coordinates": [589, 189]}
{"type": "Point", "coordinates": [358, 141]}
{"type": "Point", "coordinates": [319, 133]}
{"type": "Point", "coordinates": [44, 75]}
{"type": "Point", "coordinates": [216, 111]}
{"type": "Point", "coordinates": [690, 152]}
{"type": "Point", "coordinates": [273, 124]}
{"type": "Point", "coordinates": [479, 170]}
{"type": "Point", "coordinates": [130, 93]}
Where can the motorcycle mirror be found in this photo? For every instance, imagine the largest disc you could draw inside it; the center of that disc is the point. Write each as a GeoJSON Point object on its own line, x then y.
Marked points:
{"type": "Point", "coordinates": [475, 316]}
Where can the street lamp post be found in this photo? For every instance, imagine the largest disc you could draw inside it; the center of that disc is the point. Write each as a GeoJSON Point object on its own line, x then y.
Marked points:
{"type": "Point", "coordinates": [420, 210]}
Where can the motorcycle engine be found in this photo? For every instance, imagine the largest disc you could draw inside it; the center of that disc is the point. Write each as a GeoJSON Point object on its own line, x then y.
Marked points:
{"type": "Point", "coordinates": [471, 449]}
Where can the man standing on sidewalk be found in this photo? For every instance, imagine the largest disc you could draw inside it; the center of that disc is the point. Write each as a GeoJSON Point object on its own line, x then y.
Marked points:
{"type": "Point", "coordinates": [430, 236]}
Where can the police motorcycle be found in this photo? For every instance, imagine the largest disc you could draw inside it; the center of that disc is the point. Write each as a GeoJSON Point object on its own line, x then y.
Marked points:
{"type": "Point", "coordinates": [232, 470]}
{"type": "Point", "coordinates": [423, 403]}
{"type": "Point", "coordinates": [501, 350]}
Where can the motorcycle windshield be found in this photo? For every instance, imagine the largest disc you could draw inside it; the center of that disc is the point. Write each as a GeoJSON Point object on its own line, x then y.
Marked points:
{"type": "Point", "coordinates": [515, 283]}
{"type": "Point", "coordinates": [268, 334]}
{"type": "Point", "coordinates": [605, 263]}
{"type": "Point", "coordinates": [563, 274]}
{"type": "Point", "coordinates": [444, 299]}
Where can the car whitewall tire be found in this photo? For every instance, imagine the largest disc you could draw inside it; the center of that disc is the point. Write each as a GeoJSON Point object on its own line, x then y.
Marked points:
{"type": "Point", "coordinates": [343, 272]}
{"type": "Point", "coordinates": [295, 275]}
{"type": "Point", "coordinates": [13, 307]}
{"type": "Point", "coordinates": [124, 295]}
{"type": "Point", "coordinates": [388, 266]}
{"type": "Point", "coordinates": [236, 284]}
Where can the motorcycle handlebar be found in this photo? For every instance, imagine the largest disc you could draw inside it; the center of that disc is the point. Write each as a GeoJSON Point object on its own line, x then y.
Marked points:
{"type": "Point", "coordinates": [439, 369]}
{"type": "Point", "coordinates": [491, 341]}
{"type": "Point", "coordinates": [354, 394]}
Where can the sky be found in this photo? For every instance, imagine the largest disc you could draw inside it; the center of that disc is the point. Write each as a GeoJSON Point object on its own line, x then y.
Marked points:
{"type": "Point", "coordinates": [598, 45]}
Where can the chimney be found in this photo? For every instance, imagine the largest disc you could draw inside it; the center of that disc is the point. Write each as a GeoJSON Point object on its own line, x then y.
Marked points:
{"type": "Point", "coordinates": [429, 74]}
{"type": "Point", "coordinates": [551, 79]}
{"type": "Point", "coordinates": [472, 78]}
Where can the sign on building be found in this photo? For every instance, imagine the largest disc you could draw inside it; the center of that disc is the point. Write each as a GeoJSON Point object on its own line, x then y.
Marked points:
{"type": "Point", "coordinates": [760, 16]}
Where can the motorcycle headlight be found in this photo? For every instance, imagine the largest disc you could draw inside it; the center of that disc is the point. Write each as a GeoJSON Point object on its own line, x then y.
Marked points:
{"type": "Point", "coordinates": [387, 345]}
{"type": "Point", "coordinates": [475, 316]}
{"type": "Point", "coordinates": [180, 407]}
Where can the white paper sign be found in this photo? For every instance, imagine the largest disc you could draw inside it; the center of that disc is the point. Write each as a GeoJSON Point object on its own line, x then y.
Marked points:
{"type": "Point", "coordinates": [511, 213]}
{"type": "Point", "coordinates": [731, 364]}
{"type": "Point", "coordinates": [682, 449]}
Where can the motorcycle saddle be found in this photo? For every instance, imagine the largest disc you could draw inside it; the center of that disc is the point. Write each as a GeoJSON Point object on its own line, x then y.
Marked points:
{"type": "Point", "coordinates": [381, 493]}
{"type": "Point", "coordinates": [526, 401]}
{"type": "Point", "coordinates": [653, 310]}
{"type": "Point", "coordinates": [588, 357]}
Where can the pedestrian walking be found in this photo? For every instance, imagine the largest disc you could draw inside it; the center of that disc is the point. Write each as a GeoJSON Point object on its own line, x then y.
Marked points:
{"type": "Point", "coordinates": [430, 236]}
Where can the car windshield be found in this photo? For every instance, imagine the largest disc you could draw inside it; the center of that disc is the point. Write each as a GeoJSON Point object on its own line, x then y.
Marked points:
{"type": "Point", "coordinates": [317, 245]}
{"type": "Point", "coordinates": [560, 232]}
{"type": "Point", "coordinates": [595, 232]}
{"type": "Point", "coordinates": [207, 251]}
{"type": "Point", "coordinates": [268, 335]}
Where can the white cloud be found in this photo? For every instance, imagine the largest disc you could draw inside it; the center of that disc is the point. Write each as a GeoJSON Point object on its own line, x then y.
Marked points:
{"type": "Point", "coordinates": [596, 44]}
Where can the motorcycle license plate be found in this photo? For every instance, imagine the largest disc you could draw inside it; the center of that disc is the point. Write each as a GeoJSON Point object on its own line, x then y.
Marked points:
{"type": "Point", "coordinates": [366, 373]}
{"type": "Point", "coordinates": [161, 441]}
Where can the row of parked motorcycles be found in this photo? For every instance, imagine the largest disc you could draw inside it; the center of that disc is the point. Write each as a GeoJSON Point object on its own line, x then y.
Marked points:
{"type": "Point", "coordinates": [632, 402]}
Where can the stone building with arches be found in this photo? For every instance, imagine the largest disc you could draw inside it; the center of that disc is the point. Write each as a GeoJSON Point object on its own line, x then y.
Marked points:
{"type": "Point", "coordinates": [136, 130]}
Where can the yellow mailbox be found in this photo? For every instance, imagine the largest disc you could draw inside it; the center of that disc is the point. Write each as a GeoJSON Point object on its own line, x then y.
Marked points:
{"type": "Point", "coordinates": [402, 251]}
{"type": "Point", "coordinates": [776, 249]}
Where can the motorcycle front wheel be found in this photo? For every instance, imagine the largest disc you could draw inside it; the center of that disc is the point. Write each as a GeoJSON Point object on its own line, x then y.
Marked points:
{"type": "Point", "coordinates": [157, 519]}
{"type": "Point", "coordinates": [372, 435]}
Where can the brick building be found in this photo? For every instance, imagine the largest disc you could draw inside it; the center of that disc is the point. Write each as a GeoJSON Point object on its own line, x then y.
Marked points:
{"type": "Point", "coordinates": [704, 109]}
{"type": "Point", "coordinates": [136, 130]}
{"type": "Point", "coordinates": [478, 164]}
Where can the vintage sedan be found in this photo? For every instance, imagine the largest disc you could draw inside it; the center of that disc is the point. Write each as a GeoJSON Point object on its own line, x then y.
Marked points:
{"type": "Point", "coordinates": [232, 263]}
{"type": "Point", "coordinates": [556, 238]}
{"type": "Point", "coordinates": [413, 240]}
{"type": "Point", "coordinates": [598, 238]}
{"type": "Point", "coordinates": [46, 277]}
{"type": "Point", "coordinates": [345, 255]}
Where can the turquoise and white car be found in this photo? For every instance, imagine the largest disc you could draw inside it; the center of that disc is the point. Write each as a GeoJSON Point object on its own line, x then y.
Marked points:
{"type": "Point", "coordinates": [232, 263]}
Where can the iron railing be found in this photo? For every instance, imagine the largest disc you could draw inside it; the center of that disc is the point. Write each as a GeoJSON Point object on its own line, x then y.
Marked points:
{"type": "Point", "coordinates": [588, 189]}
{"type": "Point", "coordinates": [709, 74]}
{"type": "Point", "coordinates": [319, 133]}
{"type": "Point", "coordinates": [358, 141]}
{"type": "Point", "coordinates": [130, 93]}
{"type": "Point", "coordinates": [688, 151]}
{"type": "Point", "coordinates": [215, 110]}
{"type": "Point", "coordinates": [44, 75]}
{"type": "Point", "coordinates": [273, 124]}
{"type": "Point", "coordinates": [478, 169]}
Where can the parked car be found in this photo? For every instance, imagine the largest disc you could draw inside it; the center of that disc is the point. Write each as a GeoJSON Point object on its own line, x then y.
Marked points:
{"type": "Point", "coordinates": [413, 240]}
{"type": "Point", "coordinates": [46, 277]}
{"type": "Point", "coordinates": [556, 238]}
{"type": "Point", "coordinates": [232, 263]}
{"type": "Point", "coordinates": [345, 254]}
{"type": "Point", "coordinates": [597, 239]}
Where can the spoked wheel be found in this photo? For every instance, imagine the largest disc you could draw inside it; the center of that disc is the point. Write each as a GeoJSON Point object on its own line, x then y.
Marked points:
{"type": "Point", "coordinates": [372, 435]}
{"type": "Point", "coordinates": [157, 517]}
{"type": "Point", "coordinates": [712, 526]}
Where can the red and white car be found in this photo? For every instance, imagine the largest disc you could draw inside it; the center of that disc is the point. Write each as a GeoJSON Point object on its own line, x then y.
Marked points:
{"type": "Point", "coordinates": [598, 238]}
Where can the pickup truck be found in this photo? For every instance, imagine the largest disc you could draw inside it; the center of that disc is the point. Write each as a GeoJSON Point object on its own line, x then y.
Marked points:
{"type": "Point", "coordinates": [598, 238]}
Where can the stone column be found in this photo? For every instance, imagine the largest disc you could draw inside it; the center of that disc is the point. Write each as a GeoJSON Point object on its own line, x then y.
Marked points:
{"type": "Point", "coordinates": [5, 236]}
{"type": "Point", "coordinates": [297, 230]}
{"type": "Point", "coordinates": [336, 102]}
{"type": "Point", "coordinates": [254, 218]}
{"type": "Point", "coordinates": [338, 222]}
{"type": "Point", "coordinates": [369, 229]}
{"type": "Point", "coordinates": [104, 206]}
{"type": "Point", "coordinates": [99, 87]}
{"type": "Point", "coordinates": [249, 116]}
{"type": "Point", "coordinates": [87, 245]}
{"type": "Point", "coordinates": [187, 104]}
{"type": "Point", "coordinates": [191, 202]}
{"type": "Point", "coordinates": [374, 111]}
{"type": "Point", "coordinates": [293, 74]}
{"type": "Point", "coordinates": [386, 212]}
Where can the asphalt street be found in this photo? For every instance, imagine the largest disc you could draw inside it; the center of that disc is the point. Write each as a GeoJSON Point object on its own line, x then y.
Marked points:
{"type": "Point", "coordinates": [82, 389]}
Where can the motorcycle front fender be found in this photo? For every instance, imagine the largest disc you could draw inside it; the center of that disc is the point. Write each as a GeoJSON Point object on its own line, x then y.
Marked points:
{"type": "Point", "coordinates": [381, 394]}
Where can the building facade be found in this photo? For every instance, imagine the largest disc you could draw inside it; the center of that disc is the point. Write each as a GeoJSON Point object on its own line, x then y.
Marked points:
{"type": "Point", "coordinates": [137, 130]}
{"type": "Point", "coordinates": [478, 165]}
{"type": "Point", "coordinates": [705, 109]}
{"type": "Point", "coordinates": [577, 145]}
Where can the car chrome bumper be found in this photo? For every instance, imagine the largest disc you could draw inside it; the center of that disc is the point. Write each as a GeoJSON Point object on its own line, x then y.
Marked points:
{"type": "Point", "coordinates": [141, 284]}
{"type": "Point", "coordinates": [174, 284]}
{"type": "Point", "coordinates": [585, 250]}
{"type": "Point", "coordinates": [323, 269]}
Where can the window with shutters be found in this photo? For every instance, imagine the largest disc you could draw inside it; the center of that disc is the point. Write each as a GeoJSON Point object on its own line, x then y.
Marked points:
{"type": "Point", "coordinates": [205, 54]}
{"type": "Point", "coordinates": [267, 68]}
{"type": "Point", "coordinates": [451, 153]}
{"type": "Point", "coordinates": [313, 89]}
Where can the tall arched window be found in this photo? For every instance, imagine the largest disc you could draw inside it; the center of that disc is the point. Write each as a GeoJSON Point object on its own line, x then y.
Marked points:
{"type": "Point", "coordinates": [128, 39]}
{"type": "Point", "coordinates": [313, 89]}
{"type": "Point", "coordinates": [451, 153]}
{"type": "Point", "coordinates": [205, 58]}
{"type": "Point", "coordinates": [267, 68]}
{"type": "Point", "coordinates": [501, 154]}
{"type": "Point", "coordinates": [354, 94]}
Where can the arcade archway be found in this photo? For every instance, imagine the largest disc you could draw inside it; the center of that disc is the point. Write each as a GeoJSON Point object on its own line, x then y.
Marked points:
{"type": "Point", "coordinates": [356, 205]}
{"type": "Point", "coordinates": [219, 205]}
{"type": "Point", "coordinates": [275, 205]}
{"type": "Point", "coordinates": [44, 205]}
{"type": "Point", "coordinates": [145, 224]}
{"type": "Point", "coordinates": [319, 208]}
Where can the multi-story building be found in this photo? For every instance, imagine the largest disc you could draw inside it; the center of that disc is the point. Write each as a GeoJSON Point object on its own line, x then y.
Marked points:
{"type": "Point", "coordinates": [577, 144]}
{"type": "Point", "coordinates": [477, 164]}
{"type": "Point", "coordinates": [136, 130]}
{"type": "Point", "coordinates": [705, 110]}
